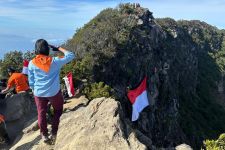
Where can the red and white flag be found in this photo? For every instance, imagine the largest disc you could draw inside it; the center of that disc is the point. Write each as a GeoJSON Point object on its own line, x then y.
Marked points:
{"type": "Point", "coordinates": [69, 84]}
{"type": "Point", "coordinates": [138, 98]}
{"type": "Point", "coordinates": [25, 67]}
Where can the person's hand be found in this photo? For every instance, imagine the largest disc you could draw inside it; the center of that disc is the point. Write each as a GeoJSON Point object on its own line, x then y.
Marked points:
{"type": "Point", "coordinates": [63, 50]}
{"type": "Point", "coordinates": [54, 48]}
{"type": "Point", "coordinates": [5, 90]}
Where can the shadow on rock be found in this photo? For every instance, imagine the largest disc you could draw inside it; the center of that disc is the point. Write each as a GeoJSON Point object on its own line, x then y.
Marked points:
{"type": "Point", "coordinates": [28, 145]}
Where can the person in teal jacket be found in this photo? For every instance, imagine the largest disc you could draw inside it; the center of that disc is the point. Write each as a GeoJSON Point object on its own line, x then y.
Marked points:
{"type": "Point", "coordinates": [43, 76]}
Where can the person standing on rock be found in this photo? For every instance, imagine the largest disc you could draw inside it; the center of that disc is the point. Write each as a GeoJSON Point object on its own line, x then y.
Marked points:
{"type": "Point", "coordinates": [43, 76]}
{"type": "Point", "coordinates": [17, 80]}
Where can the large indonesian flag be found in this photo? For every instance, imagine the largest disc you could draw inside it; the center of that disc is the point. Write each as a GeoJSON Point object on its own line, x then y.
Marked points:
{"type": "Point", "coordinates": [69, 84]}
{"type": "Point", "coordinates": [25, 67]}
{"type": "Point", "coordinates": [138, 98]}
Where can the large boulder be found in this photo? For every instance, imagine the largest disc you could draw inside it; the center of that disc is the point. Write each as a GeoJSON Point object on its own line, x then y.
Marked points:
{"type": "Point", "coordinates": [99, 125]}
{"type": "Point", "coordinates": [183, 147]}
{"type": "Point", "coordinates": [18, 110]}
{"type": "Point", "coordinates": [16, 106]}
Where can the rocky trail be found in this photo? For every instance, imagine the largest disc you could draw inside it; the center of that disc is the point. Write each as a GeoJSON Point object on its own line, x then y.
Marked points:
{"type": "Point", "coordinates": [98, 125]}
{"type": "Point", "coordinates": [88, 125]}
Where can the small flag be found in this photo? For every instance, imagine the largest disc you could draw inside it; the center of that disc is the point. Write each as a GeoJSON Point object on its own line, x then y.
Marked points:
{"type": "Point", "coordinates": [138, 98]}
{"type": "Point", "coordinates": [69, 84]}
{"type": "Point", "coordinates": [25, 67]}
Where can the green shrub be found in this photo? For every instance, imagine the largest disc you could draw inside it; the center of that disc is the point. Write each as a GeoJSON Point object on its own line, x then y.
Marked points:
{"type": "Point", "coordinates": [81, 69]}
{"type": "Point", "coordinates": [96, 90]}
{"type": "Point", "coordinates": [29, 55]}
{"type": "Point", "coordinates": [126, 8]}
{"type": "Point", "coordinates": [11, 59]}
{"type": "Point", "coordinates": [218, 144]}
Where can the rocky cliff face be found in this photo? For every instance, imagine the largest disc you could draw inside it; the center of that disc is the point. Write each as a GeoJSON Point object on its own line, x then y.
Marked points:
{"type": "Point", "coordinates": [183, 63]}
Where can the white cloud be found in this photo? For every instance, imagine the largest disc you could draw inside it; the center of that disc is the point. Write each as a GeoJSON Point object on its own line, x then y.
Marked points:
{"type": "Point", "coordinates": [209, 11]}
{"type": "Point", "coordinates": [53, 41]}
{"type": "Point", "coordinates": [42, 13]}
{"type": "Point", "coordinates": [57, 20]}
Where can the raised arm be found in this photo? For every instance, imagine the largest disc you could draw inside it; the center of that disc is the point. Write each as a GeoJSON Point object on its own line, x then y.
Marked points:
{"type": "Point", "coordinates": [68, 56]}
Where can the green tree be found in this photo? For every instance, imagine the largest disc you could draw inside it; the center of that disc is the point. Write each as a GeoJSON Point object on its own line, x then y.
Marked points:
{"type": "Point", "coordinates": [12, 59]}
{"type": "Point", "coordinates": [81, 69]}
{"type": "Point", "coordinates": [29, 55]}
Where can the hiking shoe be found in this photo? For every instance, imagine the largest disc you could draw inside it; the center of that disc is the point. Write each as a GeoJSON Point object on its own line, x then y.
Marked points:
{"type": "Point", "coordinates": [45, 139]}
{"type": "Point", "coordinates": [52, 137]}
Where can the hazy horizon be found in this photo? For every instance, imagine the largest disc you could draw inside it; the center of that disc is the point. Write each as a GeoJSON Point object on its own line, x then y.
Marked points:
{"type": "Point", "coordinates": [22, 22]}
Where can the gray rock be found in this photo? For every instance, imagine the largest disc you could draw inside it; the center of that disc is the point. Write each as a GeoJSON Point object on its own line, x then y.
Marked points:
{"type": "Point", "coordinates": [100, 125]}
{"type": "Point", "coordinates": [16, 106]}
{"type": "Point", "coordinates": [140, 22]}
{"type": "Point", "coordinates": [183, 147]}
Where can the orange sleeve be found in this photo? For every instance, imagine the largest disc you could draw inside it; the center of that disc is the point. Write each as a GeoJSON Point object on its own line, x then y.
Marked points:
{"type": "Point", "coordinates": [26, 79]}
{"type": "Point", "coordinates": [11, 82]}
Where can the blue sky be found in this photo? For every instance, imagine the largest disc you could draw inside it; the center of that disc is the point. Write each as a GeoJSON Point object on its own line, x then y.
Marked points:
{"type": "Point", "coordinates": [24, 21]}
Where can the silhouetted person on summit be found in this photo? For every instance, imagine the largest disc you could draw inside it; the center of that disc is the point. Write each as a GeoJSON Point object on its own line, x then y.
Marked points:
{"type": "Point", "coordinates": [43, 76]}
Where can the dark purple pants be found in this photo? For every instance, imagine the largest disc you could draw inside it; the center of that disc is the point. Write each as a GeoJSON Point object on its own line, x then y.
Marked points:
{"type": "Point", "coordinates": [57, 104]}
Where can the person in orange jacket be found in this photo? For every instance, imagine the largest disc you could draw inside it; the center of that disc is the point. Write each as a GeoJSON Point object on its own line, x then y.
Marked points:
{"type": "Point", "coordinates": [3, 133]}
{"type": "Point", "coordinates": [17, 80]}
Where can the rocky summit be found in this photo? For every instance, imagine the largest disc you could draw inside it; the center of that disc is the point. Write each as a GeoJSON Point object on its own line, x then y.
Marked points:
{"type": "Point", "coordinates": [99, 125]}
{"type": "Point", "coordinates": [183, 61]}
